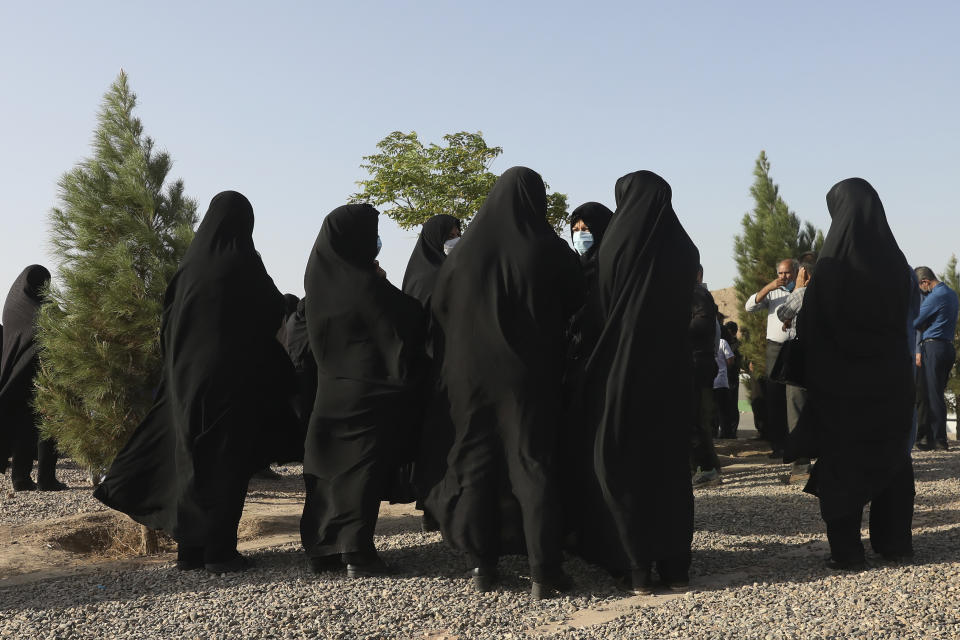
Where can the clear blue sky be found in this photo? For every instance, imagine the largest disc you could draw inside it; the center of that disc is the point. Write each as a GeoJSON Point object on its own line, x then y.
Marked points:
{"type": "Point", "coordinates": [280, 100]}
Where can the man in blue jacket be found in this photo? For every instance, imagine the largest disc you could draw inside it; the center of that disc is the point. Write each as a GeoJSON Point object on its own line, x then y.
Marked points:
{"type": "Point", "coordinates": [936, 322]}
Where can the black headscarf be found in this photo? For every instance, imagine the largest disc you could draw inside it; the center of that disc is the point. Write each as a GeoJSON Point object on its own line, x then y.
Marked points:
{"type": "Point", "coordinates": [19, 359]}
{"type": "Point", "coordinates": [342, 276]}
{"type": "Point", "coordinates": [647, 271]}
{"type": "Point", "coordinates": [859, 264]}
{"type": "Point", "coordinates": [297, 339]}
{"type": "Point", "coordinates": [290, 302]}
{"type": "Point", "coordinates": [597, 218]}
{"type": "Point", "coordinates": [504, 296]}
{"type": "Point", "coordinates": [223, 409]}
{"type": "Point", "coordinates": [367, 338]}
{"type": "Point", "coordinates": [427, 257]}
{"type": "Point", "coordinates": [858, 354]}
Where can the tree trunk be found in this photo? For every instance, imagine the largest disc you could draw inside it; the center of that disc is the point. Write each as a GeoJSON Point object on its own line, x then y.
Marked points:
{"type": "Point", "coordinates": [150, 544]}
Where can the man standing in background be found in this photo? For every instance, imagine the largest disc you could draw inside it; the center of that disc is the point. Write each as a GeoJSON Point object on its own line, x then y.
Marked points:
{"type": "Point", "coordinates": [771, 296]}
{"type": "Point", "coordinates": [936, 322]}
{"type": "Point", "coordinates": [796, 395]}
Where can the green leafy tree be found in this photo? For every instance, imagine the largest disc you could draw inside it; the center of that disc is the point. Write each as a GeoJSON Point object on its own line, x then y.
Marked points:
{"type": "Point", "coordinates": [411, 181]}
{"type": "Point", "coordinates": [118, 236]}
{"type": "Point", "coordinates": [951, 277]}
{"type": "Point", "coordinates": [771, 233]}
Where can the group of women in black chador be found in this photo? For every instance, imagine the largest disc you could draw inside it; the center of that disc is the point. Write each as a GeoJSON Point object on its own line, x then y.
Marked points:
{"type": "Point", "coordinates": [530, 401]}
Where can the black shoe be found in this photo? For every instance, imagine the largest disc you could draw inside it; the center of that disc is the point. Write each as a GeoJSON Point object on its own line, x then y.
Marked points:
{"type": "Point", "coordinates": [54, 485]}
{"type": "Point", "coordinates": [428, 523]}
{"type": "Point", "coordinates": [326, 564]}
{"type": "Point", "coordinates": [896, 557]}
{"type": "Point", "coordinates": [373, 569]}
{"type": "Point", "coordinates": [924, 446]}
{"type": "Point", "coordinates": [483, 579]}
{"type": "Point", "coordinates": [189, 558]}
{"type": "Point", "coordinates": [942, 445]}
{"type": "Point", "coordinates": [776, 454]}
{"type": "Point", "coordinates": [548, 587]}
{"type": "Point", "coordinates": [237, 563]}
{"type": "Point", "coordinates": [677, 585]}
{"type": "Point", "coordinates": [24, 485]}
{"type": "Point", "coordinates": [846, 565]}
{"type": "Point", "coordinates": [267, 474]}
{"type": "Point", "coordinates": [641, 582]}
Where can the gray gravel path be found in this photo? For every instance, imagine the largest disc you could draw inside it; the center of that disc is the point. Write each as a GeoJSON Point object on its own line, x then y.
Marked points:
{"type": "Point", "coordinates": [758, 573]}
{"type": "Point", "coordinates": [31, 506]}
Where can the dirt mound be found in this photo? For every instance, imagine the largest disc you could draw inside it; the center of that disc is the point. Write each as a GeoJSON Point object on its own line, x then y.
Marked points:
{"type": "Point", "coordinates": [109, 535]}
{"type": "Point", "coordinates": [268, 525]}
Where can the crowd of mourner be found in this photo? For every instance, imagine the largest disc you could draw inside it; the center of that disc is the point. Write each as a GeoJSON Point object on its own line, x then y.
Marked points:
{"type": "Point", "coordinates": [529, 398]}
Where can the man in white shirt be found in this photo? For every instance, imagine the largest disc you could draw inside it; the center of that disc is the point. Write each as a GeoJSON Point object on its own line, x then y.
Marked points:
{"type": "Point", "coordinates": [771, 296]}
{"type": "Point", "coordinates": [796, 395]}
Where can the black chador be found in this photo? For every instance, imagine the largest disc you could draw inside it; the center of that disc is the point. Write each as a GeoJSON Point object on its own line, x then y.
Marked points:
{"type": "Point", "coordinates": [859, 377]}
{"type": "Point", "coordinates": [427, 257]}
{"type": "Point", "coordinates": [368, 341]}
{"type": "Point", "coordinates": [19, 436]}
{"type": "Point", "coordinates": [641, 368]}
{"type": "Point", "coordinates": [436, 435]}
{"type": "Point", "coordinates": [587, 523]}
{"type": "Point", "coordinates": [290, 303]}
{"type": "Point", "coordinates": [503, 300]}
{"type": "Point", "coordinates": [297, 344]}
{"type": "Point", "coordinates": [223, 409]}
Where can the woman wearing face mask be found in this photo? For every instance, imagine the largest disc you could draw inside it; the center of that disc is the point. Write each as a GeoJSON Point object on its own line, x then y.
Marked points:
{"type": "Point", "coordinates": [368, 341]}
{"type": "Point", "coordinates": [437, 238]}
{"type": "Point", "coordinates": [584, 511]}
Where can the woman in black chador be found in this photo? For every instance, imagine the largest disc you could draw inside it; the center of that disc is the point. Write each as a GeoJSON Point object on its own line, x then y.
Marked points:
{"type": "Point", "coordinates": [19, 436]}
{"type": "Point", "coordinates": [297, 344]}
{"type": "Point", "coordinates": [222, 410]}
{"type": "Point", "coordinates": [368, 340]}
{"type": "Point", "coordinates": [437, 238]}
{"type": "Point", "coordinates": [859, 379]}
{"type": "Point", "coordinates": [647, 270]}
{"type": "Point", "coordinates": [503, 299]}
{"type": "Point", "coordinates": [588, 224]}
{"type": "Point", "coordinates": [586, 520]}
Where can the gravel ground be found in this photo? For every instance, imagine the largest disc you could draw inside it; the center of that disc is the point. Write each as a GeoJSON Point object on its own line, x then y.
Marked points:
{"type": "Point", "coordinates": [22, 507]}
{"type": "Point", "coordinates": [758, 573]}
{"type": "Point", "coordinates": [30, 506]}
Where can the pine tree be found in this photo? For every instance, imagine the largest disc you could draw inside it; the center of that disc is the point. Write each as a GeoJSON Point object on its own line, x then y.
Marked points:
{"type": "Point", "coordinates": [951, 277]}
{"type": "Point", "coordinates": [118, 236]}
{"type": "Point", "coordinates": [771, 233]}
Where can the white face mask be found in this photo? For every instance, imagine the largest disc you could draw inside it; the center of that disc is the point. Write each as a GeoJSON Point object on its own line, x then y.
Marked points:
{"type": "Point", "coordinates": [379, 246]}
{"type": "Point", "coordinates": [582, 241]}
{"type": "Point", "coordinates": [449, 245]}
